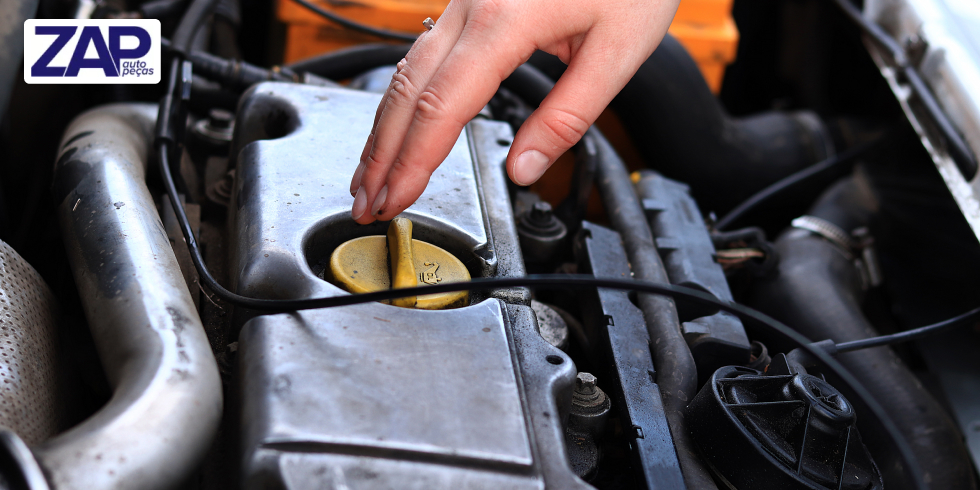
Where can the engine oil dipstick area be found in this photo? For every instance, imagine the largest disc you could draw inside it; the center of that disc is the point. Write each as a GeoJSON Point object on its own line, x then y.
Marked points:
{"type": "Point", "coordinates": [375, 263]}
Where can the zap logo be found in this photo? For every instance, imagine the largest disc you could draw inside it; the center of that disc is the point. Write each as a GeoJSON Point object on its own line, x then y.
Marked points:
{"type": "Point", "coordinates": [92, 51]}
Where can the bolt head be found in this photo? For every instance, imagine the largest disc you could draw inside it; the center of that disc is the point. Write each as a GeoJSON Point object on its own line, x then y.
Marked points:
{"type": "Point", "coordinates": [541, 214]}
{"type": "Point", "coordinates": [220, 118]}
{"type": "Point", "coordinates": [541, 210]}
{"type": "Point", "coordinates": [585, 382]}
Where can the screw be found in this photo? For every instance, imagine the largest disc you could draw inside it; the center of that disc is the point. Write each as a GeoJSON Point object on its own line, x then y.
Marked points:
{"type": "Point", "coordinates": [585, 383]}
{"type": "Point", "coordinates": [541, 213]}
{"type": "Point", "coordinates": [220, 118]}
{"type": "Point", "coordinates": [588, 400]}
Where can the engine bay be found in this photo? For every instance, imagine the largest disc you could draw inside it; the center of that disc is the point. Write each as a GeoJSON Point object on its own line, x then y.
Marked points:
{"type": "Point", "coordinates": [757, 270]}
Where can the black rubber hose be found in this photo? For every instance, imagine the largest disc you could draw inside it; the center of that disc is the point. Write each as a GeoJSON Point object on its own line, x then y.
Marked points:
{"type": "Point", "coordinates": [683, 132]}
{"type": "Point", "coordinates": [161, 9]}
{"type": "Point", "coordinates": [350, 62]}
{"type": "Point", "coordinates": [197, 12]}
{"type": "Point", "coordinates": [836, 166]}
{"type": "Point", "coordinates": [817, 289]}
{"type": "Point", "coordinates": [356, 26]}
{"type": "Point", "coordinates": [234, 74]}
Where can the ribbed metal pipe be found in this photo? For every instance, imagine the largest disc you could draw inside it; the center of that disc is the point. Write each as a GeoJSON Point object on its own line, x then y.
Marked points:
{"type": "Point", "coordinates": [166, 403]}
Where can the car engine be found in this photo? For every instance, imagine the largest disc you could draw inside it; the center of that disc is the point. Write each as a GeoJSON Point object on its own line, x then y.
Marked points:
{"type": "Point", "coordinates": [758, 270]}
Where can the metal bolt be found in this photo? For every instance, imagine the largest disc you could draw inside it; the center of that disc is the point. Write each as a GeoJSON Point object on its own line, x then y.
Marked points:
{"type": "Point", "coordinates": [220, 118]}
{"type": "Point", "coordinates": [541, 213]}
{"type": "Point", "coordinates": [585, 383]}
{"type": "Point", "coordinates": [590, 406]}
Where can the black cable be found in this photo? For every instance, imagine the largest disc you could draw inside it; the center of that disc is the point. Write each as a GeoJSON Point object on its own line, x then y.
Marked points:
{"type": "Point", "coordinates": [790, 182]}
{"type": "Point", "coordinates": [545, 281]}
{"type": "Point", "coordinates": [160, 9]}
{"type": "Point", "coordinates": [356, 26]}
{"type": "Point", "coordinates": [190, 22]}
{"type": "Point", "coordinates": [958, 149]}
{"type": "Point", "coordinates": [913, 334]}
{"type": "Point", "coordinates": [233, 74]}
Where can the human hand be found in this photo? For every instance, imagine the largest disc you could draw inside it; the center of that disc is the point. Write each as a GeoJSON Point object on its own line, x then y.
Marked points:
{"type": "Point", "coordinates": [453, 70]}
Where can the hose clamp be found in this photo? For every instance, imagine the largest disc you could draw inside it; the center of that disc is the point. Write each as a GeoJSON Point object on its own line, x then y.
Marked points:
{"type": "Point", "coordinates": [829, 231]}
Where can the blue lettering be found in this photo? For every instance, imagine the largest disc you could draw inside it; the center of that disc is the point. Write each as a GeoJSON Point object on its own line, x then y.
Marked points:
{"type": "Point", "coordinates": [41, 67]}
{"type": "Point", "coordinates": [118, 54]}
{"type": "Point", "coordinates": [91, 34]}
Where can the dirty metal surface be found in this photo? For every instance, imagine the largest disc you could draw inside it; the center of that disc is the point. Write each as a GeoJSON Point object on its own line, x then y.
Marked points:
{"type": "Point", "coordinates": [372, 395]}
{"type": "Point", "coordinates": [295, 149]}
{"type": "Point", "coordinates": [387, 380]}
{"type": "Point", "coordinates": [624, 334]}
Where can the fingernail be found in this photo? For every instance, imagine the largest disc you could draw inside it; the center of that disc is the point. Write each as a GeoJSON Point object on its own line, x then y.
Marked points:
{"type": "Point", "coordinates": [360, 204]}
{"type": "Point", "coordinates": [380, 201]}
{"type": "Point", "coordinates": [355, 182]}
{"type": "Point", "coordinates": [530, 166]}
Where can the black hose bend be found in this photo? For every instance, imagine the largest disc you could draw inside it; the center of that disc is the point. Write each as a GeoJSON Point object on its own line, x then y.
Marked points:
{"type": "Point", "coordinates": [683, 132]}
{"type": "Point", "coordinates": [350, 62]}
{"type": "Point", "coordinates": [818, 290]}
{"type": "Point", "coordinates": [679, 126]}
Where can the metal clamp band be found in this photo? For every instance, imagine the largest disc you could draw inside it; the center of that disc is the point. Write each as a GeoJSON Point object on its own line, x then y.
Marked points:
{"type": "Point", "coordinates": [827, 230]}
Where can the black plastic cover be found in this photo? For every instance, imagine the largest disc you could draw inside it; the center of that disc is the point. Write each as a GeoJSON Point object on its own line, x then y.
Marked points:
{"type": "Point", "coordinates": [791, 431]}
{"type": "Point", "coordinates": [716, 338]}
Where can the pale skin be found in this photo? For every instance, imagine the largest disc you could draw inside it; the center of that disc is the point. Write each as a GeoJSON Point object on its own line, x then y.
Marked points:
{"type": "Point", "coordinates": [453, 70]}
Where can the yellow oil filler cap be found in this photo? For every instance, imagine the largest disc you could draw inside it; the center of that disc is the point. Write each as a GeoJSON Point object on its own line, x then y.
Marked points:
{"type": "Point", "coordinates": [375, 263]}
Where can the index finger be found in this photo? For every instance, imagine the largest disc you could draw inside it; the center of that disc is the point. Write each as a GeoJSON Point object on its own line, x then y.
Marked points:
{"type": "Point", "coordinates": [394, 113]}
{"type": "Point", "coordinates": [465, 82]}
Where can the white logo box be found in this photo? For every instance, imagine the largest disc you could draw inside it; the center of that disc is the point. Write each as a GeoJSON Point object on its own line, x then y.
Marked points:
{"type": "Point", "coordinates": [68, 51]}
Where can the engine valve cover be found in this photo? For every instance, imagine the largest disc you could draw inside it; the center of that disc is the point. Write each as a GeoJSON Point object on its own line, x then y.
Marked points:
{"type": "Point", "coordinates": [373, 395]}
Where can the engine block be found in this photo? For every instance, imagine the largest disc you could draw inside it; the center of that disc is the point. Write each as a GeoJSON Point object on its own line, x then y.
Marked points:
{"type": "Point", "coordinates": [373, 395]}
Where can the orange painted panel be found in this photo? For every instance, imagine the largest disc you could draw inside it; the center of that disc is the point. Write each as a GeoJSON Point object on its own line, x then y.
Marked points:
{"type": "Point", "coordinates": [704, 27]}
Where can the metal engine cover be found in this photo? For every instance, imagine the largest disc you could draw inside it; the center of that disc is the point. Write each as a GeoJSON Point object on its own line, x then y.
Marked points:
{"type": "Point", "coordinates": [372, 395]}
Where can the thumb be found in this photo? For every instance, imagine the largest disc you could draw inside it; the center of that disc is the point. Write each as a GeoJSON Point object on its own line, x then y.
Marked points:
{"type": "Point", "coordinates": [581, 94]}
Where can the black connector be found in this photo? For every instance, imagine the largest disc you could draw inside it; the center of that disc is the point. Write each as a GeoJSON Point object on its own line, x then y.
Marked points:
{"type": "Point", "coordinates": [234, 74]}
